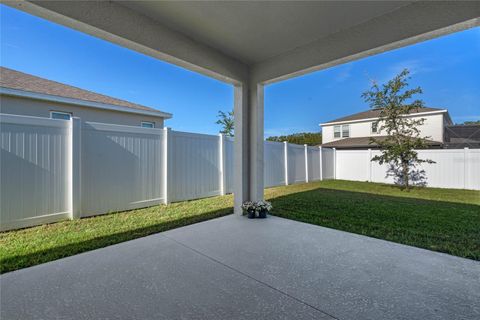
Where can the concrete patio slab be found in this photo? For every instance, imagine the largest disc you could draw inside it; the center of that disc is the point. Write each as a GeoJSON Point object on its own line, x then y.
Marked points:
{"type": "Point", "coordinates": [234, 268]}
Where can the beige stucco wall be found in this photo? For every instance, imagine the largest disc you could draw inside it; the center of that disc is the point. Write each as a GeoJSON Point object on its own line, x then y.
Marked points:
{"type": "Point", "coordinates": [432, 127]}
{"type": "Point", "coordinates": [39, 108]}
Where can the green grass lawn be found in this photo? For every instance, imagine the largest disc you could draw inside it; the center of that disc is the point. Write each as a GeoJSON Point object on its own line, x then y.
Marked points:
{"type": "Point", "coordinates": [444, 220]}
{"type": "Point", "coordinates": [437, 219]}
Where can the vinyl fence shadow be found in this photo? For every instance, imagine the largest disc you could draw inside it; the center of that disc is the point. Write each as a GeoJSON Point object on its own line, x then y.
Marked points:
{"type": "Point", "coordinates": [37, 257]}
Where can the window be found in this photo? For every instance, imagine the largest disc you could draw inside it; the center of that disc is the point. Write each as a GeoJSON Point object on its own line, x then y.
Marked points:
{"type": "Point", "coordinates": [60, 115]}
{"type": "Point", "coordinates": [148, 124]}
{"type": "Point", "coordinates": [374, 127]}
{"type": "Point", "coordinates": [341, 131]}
{"type": "Point", "coordinates": [336, 131]}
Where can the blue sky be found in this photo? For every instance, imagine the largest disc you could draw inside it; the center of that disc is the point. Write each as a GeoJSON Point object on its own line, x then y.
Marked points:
{"type": "Point", "coordinates": [446, 68]}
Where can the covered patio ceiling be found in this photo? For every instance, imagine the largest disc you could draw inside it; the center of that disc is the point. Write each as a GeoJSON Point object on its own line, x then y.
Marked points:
{"type": "Point", "coordinates": [274, 40]}
{"type": "Point", "coordinates": [251, 44]}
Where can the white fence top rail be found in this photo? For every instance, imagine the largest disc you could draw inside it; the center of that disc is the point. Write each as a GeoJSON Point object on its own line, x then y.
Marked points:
{"type": "Point", "coordinates": [33, 121]}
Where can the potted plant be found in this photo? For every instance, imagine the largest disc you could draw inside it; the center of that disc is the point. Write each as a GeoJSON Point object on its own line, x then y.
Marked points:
{"type": "Point", "coordinates": [249, 208]}
{"type": "Point", "coordinates": [262, 208]}
{"type": "Point", "coordinates": [256, 209]}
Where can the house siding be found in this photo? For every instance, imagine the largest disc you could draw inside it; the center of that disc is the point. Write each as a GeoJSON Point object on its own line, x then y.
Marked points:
{"type": "Point", "coordinates": [433, 128]}
{"type": "Point", "coordinates": [40, 108]}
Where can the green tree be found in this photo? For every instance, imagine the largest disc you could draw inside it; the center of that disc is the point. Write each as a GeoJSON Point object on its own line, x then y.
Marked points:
{"type": "Point", "coordinates": [308, 138]}
{"type": "Point", "coordinates": [395, 100]}
{"type": "Point", "coordinates": [469, 123]}
{"type": "Point", "coordinates": [227, 122]}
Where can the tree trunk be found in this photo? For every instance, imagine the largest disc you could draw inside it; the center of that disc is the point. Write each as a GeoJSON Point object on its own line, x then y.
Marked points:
{"type": "Point", "coordinates": [405, 175]}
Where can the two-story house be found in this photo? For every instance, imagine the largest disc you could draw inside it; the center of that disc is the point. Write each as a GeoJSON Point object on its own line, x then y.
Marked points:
{"type": "Point", "coordinates": [354, 131]}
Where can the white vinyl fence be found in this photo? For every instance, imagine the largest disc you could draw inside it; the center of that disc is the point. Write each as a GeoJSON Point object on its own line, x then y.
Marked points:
{"type": "Point", "coordinates": [55, 169]}
{"type": "Point", "coordinates": [453, 168]}
{"type": "Point", "coordinates": [121, 167]}
{"type": "Point", "coordinates": [34, 171]}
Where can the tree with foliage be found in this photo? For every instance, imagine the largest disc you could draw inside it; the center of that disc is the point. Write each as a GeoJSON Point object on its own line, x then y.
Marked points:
{"type": "Point", "coordinates": [227, 122]}
{"type": "Point", "coordinates": [466, 123]}
{"type": "Point", "coordinates": [394, 99]}
{"type": "Point", "coordinates": [308, 138]}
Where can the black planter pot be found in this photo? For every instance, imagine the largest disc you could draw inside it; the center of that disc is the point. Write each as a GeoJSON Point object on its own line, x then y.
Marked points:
{"type": "Point", "coordinates": [251, 214]}
{"type": "Point", "coordinates": [262, 214]}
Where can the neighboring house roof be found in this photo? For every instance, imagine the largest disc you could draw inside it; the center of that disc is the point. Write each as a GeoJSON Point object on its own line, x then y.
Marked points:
{"type": "Point", "coordinates": [17, 82]}
{"type": "Point", "coordinates": [375, 113]}
{"type": "Point", "coordinates": [364, 142]}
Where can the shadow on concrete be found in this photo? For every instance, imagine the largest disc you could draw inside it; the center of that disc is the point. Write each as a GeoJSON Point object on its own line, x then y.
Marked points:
{"type": "Point", "coordinates": [35, 258]}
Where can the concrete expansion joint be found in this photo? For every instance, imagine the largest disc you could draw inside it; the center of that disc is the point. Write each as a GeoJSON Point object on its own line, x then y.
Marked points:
{"type": "Point", "coordinates": [249, 276]}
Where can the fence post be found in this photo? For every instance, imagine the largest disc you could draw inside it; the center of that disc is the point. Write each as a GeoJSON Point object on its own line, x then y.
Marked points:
{"type": "Point", "coordinates": [306, 163]}
{"type": "Point", "coordinates": [369, 169]}
{"type": "Point", "coordinates": [222, 175]}
{"type": "Point", "coordinates": [465, 167]}
{"type": "Point", "coordinates": [74, 175]}
{"type": "Point", "coordinates": [285, 153]}
{"type": "Point", "coordinates": [166, 163]}
{"type": "Point", "coordinates": [321, 162]}
{"type": "Point", "coordinates": [334, 163]}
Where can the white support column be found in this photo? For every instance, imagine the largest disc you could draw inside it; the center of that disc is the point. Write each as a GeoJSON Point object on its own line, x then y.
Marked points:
{"type": "Point", "coordinates": [321, 163]}
{"type": "Point", "coordinates": [285, 153]}
{"type": "Point", "coordinates": [256, 142]}
{"type": "Point", "coordinates": [221, 163]}
{"type": "Point", "coordinates": [248, 167]}
{"type": "Point", "coordinates": [241, 178]}
{"type": "Point", "coordinates": [334, 163]}
{"type": "Point", "coordinates": [166, 164]}
{"type": "Point", "coordinates": [306, 162]}
{"type": "Point", "coordinates": [75, 184]}
{"type": "Point", "coordinates": [369, 168]}
{"type": "Point", "coordinates": [465, 167]}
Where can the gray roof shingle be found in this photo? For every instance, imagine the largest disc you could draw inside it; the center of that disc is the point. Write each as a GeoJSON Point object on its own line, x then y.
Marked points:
{"type": "Point", "coordinates": [363, 142]}
{"type": "Point", "coordinates": [13, 79]}
{"type": "Point", "coordinates": [375, 113]}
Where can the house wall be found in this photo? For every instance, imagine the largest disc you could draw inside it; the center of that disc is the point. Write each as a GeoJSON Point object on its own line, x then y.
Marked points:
{"type": "Point", "coordinates": [433, 127]}
{"type": "Point", "coordinates": [40, 108]}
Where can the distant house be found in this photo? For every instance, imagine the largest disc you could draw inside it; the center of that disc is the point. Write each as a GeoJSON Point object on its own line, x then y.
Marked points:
{"type": "Point", "coordinates": [25, 94]}
{"type": "Point", "coordinates": [354, 131]}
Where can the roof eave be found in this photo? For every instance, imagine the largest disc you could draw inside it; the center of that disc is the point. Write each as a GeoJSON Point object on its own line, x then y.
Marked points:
{"type": "Point", "coordinates": [79, 102]}
{"type": "Point", "coordinates": [375, 118]}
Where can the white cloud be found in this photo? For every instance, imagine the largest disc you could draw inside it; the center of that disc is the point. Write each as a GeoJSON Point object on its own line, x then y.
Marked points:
{"type": "Point", "coordinates": [415, 66]}
{"type": "Point", "coordinates": [344, 73]}
{"type": "Point", "coordinates": [7, 44]}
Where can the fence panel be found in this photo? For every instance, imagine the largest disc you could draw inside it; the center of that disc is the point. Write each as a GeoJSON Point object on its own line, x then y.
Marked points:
{"type": "Point", "coordinates": [328, 163]}
{"type": "Point", "coordinates": [352, 165]}
{"type": "Point", "coordinates": [472, 172]}
{"type": "Point", "coordinates": [378, 171]}
{"type": "Point", "coordinates": [274, 164]}
{"type": "Point", "coordinates": [33, 171]}
{"type": "Point", "coordinates": [313, 154]}
{"type": "Point", "coordinates": [453, 168]}
{"type": "Point", "coordinates": [449, 169]}
{"type": "Point", "coordinates": [121, 167]}
{"type": "Point", "coordinates": [229, 161]}
{"type": "Point", "coordinates": [296, 163]}
{"type": "Point", "coordinates": [195, 166]}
